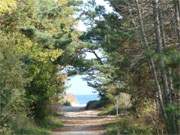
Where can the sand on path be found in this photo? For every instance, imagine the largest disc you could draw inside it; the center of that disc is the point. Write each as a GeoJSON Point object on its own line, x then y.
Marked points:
{"type": "Point", "coordinates": [78, 121]}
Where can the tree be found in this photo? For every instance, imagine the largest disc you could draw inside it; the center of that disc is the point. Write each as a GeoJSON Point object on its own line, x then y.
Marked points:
{"type": "Point", "coordinates": [139, 54]}
{"type": "Point", "coordinates": [37, 35]}
{"type": "Point", "coordinates": [7, 6]}
{"type": "Point", "coordinates": [12, 104]}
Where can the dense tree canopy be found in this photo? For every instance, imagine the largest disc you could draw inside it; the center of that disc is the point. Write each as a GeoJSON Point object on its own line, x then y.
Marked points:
{"type": "Point", "coordinates": [141, 44]}
{"type": "Point", "coordinates": [34, 35]}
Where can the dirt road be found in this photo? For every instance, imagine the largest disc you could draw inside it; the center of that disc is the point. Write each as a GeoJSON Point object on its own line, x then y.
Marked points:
{"type": "Point", "coordinates": [78, 121]}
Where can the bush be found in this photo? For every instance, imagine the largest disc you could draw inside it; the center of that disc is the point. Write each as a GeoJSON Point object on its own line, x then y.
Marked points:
{"type": "Point", "coordinates": [108, 110]}
{"type": "Point", "coordinates": [96, 104]}
{"type": "Point", "coordinates": [67, 103]}
{"type": "Point", "coordinates": [11, 84]}
{"type": "Point", "coordinates": [27, 127]}
{"type": "Point", "coordinates": [25, 90]}
{"type": "Point", "coordinates": [128, 126]}
{"type": "Point", "coordinates": [40, 90]}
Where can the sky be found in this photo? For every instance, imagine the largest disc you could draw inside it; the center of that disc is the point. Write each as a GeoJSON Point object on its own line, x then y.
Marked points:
{"type": "Point", "coordinates": [105, 4]}
{"type": "Point", "coordinates": [81, 26]}
{"type": "Point", "coordinates": [75, 84]}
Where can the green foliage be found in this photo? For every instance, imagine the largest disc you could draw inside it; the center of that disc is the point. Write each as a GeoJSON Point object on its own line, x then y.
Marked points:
{"type": "Point", "coordinates": [67, 103]}
{"type": "Point", "coordinates": [109, 110]}
{"type": "Point", "coordinates": [38, 36]}
{"type": "Point", "coordinates": [41, 88]}
{"type": "Point", "coordinates": [96, 104]}
{"type": "Point", "coordinates": [49, 39]}
{"type": "Point", "coordinates": [127, 127]}
{"type": "Point", "coordinates": [7, 6]}
{"type": "Point", "coordinates": [51, 122]}
{"type": "Point", "coordinates": [29, 128]}
{"type": "Point", "coordinates": [11, 83]}
{"type": "Point", "coordinates": [128, 66]}
{"type": "Point", "coordinates": [34, 35]}
{"type": "Point", "coordinates": [33, 131]}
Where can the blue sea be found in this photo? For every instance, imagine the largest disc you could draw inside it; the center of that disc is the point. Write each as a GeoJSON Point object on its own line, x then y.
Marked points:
{"type": "Point", "coordinates": [84, 99]}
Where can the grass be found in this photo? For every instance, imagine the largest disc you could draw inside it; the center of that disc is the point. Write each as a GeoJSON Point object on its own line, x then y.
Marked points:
{"type": "Point", "coordinates": [43, 128]}
{"type": "Point", "coordinates": [109, 110]}
{"type": "Point", "coordinates": [33, 131]}
{"type": "Point", "coordinates": [51, 122]}
{"type": "Point", "coordinates": [129, 126]}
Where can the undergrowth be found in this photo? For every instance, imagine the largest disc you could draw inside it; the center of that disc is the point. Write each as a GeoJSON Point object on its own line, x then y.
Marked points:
{"type": "Point", "coordinates": [42, 128]}
{"type": "Point", "coordinates": [129, 126]}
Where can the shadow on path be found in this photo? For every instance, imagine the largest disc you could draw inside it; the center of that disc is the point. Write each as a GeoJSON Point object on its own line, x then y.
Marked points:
{"type": "Point", "coordinates": [78, 121]}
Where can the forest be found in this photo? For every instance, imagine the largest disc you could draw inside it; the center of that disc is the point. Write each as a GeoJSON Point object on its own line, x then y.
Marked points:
{"type": "Point", "coordinates": [137, 57]}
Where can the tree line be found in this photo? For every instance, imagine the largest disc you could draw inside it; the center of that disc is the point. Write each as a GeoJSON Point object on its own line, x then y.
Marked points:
{"type": "Point", "coordinates": [34, 35]}
{"type": "Point", "coordinates": [140, 41]}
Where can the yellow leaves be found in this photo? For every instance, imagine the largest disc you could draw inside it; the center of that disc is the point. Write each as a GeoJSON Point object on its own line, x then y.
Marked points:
{"type": "Point", "coordinates": [35, 51]}
{"type": "Point", "coordinates": [38, 53]}
{"type": "Point", "coordinates": [46, 55]}
{"type": "Point", "coordinates": [63, 2]}
{"type": "Point", "coordinates": [7, 5]}
{"type": "Point", "coordinates": [148, 108]}
{"type": "Point", "coordinates": [67, 13]}
{"type": "Point", "coordinates": [23, 44]}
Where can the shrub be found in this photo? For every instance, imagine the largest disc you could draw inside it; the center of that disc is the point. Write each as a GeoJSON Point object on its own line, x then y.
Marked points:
{"type": "Point", "coordinates": [128, 126]}
{"type": "Point", "coordinates": [67, 103]}
{"type": "Point", "coordinates": [42, 87]}
{"type": "Point", "coordinates": [11, 84]}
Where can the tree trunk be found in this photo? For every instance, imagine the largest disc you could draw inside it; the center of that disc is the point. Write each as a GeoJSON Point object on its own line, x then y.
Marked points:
{"type": "Point", "coordinates": [154, 71]}
{"type": "Point", "coordinates": [170, 121]}
{"type": "Point", "coordinates": [117, 105]}
{"type": "Point", "coordinates": [177, 15]}
{"type": "Point", "coordinates": [160, 46]}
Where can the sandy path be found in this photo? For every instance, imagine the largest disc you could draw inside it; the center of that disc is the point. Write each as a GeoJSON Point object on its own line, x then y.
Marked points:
{"type": "Point", "coordinates": [78, 121]}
